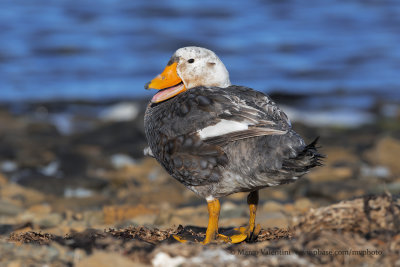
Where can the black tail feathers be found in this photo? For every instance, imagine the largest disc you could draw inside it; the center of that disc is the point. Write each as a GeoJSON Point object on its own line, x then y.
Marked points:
{"type": "Point", "coordinates": [311, 151]}
{"type": "Point", "coordinates": [306, 159]}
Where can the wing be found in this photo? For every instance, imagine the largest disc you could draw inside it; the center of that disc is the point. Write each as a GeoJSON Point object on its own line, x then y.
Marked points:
{"type": "Point", "coordinates": [245, 113]}
{"type": "Point", "coordinates": [221, 115]}
{"type": "Point", "coordinates": [195, 126]}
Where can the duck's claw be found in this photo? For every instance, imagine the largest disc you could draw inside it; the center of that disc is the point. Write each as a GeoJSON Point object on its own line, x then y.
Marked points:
{"type": "Point", "coordinates": [237, 238]}
{"type": "Point", "coordinates": [250, 233]}
{"type": "Point", "coordinates": [223, 238]}
{"type": "Point", "coordinates": [179, 239]}
{"type": "Point", "coordinates": [218, 238]}
{"type": "Point", "coordinates": [254, 234]}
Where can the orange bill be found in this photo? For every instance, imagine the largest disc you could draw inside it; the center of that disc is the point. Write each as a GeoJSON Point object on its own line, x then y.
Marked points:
{"type": "Point", "coordinates": [168, 82]}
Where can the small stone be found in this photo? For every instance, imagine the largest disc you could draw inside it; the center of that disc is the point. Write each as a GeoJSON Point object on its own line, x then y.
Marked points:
{"type": "Point", "coordinates": [144, 220]}
{"type": "Point", "coordinates": [188, 211]}
{"type": "Point", "coordinates": [8, 166]}
{"type": "Point", "coordinates": [6, 228]}
{"type": "Point", "coordinates": [163, 219]}
{"type": "Point", "coordinates": [49, 220]}
{"type": "Point", "coordinates": [16, 193]}
{"type": "Point", "coordinates": [271, 206]}
{"type": "Point", "coordinates": [329, 173]}
{"type": "Point", "coordinates": [40, 209]}
{"type": "Point", "coordinates": [3, 180]}
{"type": "Point", "coordinates": [163, 259]}
{"type": "Point", "coordinates": [9, 209]}
{"type": "Point", "coordinates": [338, 165]}
{"type": "Point", "coordinates": [79, 192]}
{"type": "Point", "coordinates": [105, 259]}
{"type": "Point", "coordinates": [273, 219]}
{"type": "Point", "coordinates": [230, 210]}
{"type": "Point", "coordinates": [233, 222]}
{"type": "Point", "coordinates": [15, 263]}
{"type": "Point", "coordinates": [275, 193]}
{"type": "Point", "coordinates": [121, 160]}
{"type": "Point", "coordinates": [372, 172]}
{"type": "Point", "coordinates": [114, 214]}
{"type": "Point", "coordinates": [303, 204]}
{"type": "Point", "coordinates": [393, 188]}
{"type": "Point", "coordinates": [124, 111]}
{"type": "Point", "coordinates": [386, 153]}
{"type": "Point", "coordinates": [190, 216]}
{"type": "Point", "coordinates": [241, 196]}
{"type": "Point", "coordinates": [93, 217]}
{"type": "Point", "coordinates": [289, 208]}
{"type": "Point", "coordinates": [228, 205]}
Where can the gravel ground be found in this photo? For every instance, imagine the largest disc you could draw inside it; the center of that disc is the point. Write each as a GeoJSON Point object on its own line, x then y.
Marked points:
{"type": "Point", "coordinates": [78, 192]}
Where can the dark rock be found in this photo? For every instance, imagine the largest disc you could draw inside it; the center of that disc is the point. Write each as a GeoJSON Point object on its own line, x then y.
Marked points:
{"type": "Point", "coordinates": [72, 163]}
{"type": "Point", "coordinates": [119, 137]}
{"type": "Point", "coordinates": [56, 186]}
{"type": "Point", "coordinates": [6, 228]}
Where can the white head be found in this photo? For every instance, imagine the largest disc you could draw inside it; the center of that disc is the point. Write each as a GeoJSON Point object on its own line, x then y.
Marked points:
{"type": "Point", "coordinates": [199, 66]}
{"type": "Point", "coordinates": [189, 67]}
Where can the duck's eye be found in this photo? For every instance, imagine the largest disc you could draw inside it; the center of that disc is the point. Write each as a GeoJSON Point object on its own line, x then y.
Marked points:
{"type": "Point", "coordinates": [191, 60]}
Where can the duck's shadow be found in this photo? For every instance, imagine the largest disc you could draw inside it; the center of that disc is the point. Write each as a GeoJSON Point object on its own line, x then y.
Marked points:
{"type": "Point", "coordinates": [191, 233]}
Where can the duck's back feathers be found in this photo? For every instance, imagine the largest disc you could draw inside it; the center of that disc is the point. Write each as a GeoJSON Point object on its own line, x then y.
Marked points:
{"type": "Point", "coordinates": [206, 132]}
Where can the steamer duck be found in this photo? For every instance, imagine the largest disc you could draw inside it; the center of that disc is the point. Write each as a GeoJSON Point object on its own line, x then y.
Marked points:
{"type": "Point", "coordinates": [218, 139]}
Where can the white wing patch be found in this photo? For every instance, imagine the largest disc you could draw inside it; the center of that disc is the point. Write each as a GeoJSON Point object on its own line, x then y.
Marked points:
{"type": "Point", "coordinates": [147, 152]}
{"type": "Point", "coordinates": [222, 127]}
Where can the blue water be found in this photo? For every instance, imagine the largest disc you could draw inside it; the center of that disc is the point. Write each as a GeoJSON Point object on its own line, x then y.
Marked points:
{"type": "Point", "coordinates": [64, 49]}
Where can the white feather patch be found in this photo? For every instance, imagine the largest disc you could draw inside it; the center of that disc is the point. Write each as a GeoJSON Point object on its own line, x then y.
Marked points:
{"type": "Point", "coordinates": [221, 128]}
{"type": "Point", "coordinates": [210, 198]}
{"type": "Point", "coordinates": [147, 152]}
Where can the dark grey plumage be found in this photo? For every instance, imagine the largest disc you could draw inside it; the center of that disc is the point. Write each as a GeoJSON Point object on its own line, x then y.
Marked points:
{"type": "Point", "coordinates": [267, 153]}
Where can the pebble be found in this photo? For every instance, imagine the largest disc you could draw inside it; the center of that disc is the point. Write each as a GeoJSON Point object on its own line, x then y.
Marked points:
{"type": "Point", "coordinates": [48, 221]}
{"type": "Point", "coordinates": [116, 213]}
{"type": "Point", "coordinates": [386, 152]}
{"type": "Point", "coordinates": [303, 204]}
{"type": "Point", "coordinates": [230, 210]}
{"type": "Point", "coordinates": [15, 263]}
{"type": "Point", "coordinates": [393, 188]}
{"type": "Point", "coordinates": [6, 229]}
{"type": "Point", "coordinates": [40, 209]}
{"type": "Point", "coordinates": [3, 180]}
{"type": "Point", "coordinates": [273, 219]}
{"type": "Point", "coordinates": [105, 259]}
{"type": "Point", "coordinates": [232, 222]}
{"type": "Point", "coordinates": [9, 209]}
{"type": "Point", "coordinates": [163, 259]}
{"type": "Point", "coordinates": [145, 220]}
{"type": "Point", "coordinates": [121, 160]}
{"type": "Point", "coordinates": [272, 206]}
{"type": "Point", "coordinates": [375, 172]}
{"type": "Point", "coordinates": [8, 166]}
{"type": "Point", "coordinates": [124, 111]}
{"type": "Point", "coordinates": [79, 192]}
{"type": "Point", "coordinates": [194, 218]}
{"type": "Point", "coordinates": [19, 194]}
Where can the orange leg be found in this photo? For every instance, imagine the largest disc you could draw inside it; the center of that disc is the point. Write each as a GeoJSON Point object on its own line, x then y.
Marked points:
{"type": "Point", "coordinates": [213, 217]}
{"type": "Point", "coordinates": [252, 230]}
{"type": "Point", "coordinates": [252, 201]}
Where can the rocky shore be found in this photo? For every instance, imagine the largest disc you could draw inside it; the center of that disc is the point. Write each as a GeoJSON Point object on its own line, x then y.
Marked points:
{"type": "Point", "coordinates": [75, 190]}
